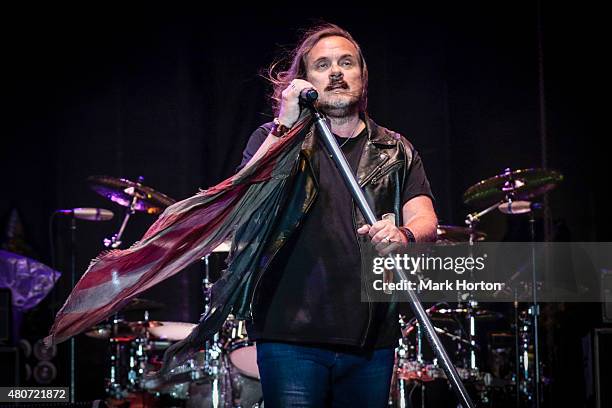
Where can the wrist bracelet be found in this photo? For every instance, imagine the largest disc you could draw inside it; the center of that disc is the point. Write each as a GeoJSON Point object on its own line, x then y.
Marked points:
{"type": "Point", "coordinates": [408, 234]}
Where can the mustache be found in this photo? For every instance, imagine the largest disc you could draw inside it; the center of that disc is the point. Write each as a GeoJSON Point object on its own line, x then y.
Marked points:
{"type": "Point", "coordinates": [337, 84]}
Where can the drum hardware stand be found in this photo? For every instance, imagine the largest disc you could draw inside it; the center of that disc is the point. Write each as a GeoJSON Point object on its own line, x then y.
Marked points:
{"type": "Point", "coordinates": [213, 353]}
{"type": "Point", "coordinates": [472, 221]}
{"type": "Point", "coordinates": [359, 197]}
{"type": "Point", "coordinates": [522, 342]}
{"type": "Point", "coordinates": [516, 189]}
{"type": "Point", "coordinates": [474, 218]}
{"type": "Point", "coordinates": [214, 368]}
{"type": "Point", "coordinates": [207, 284]}
{"type": "Point", "coordinates": [115, 240]}
{"type": "Point", "coordinates": [113, 388]}
{"type": "Point", "coordinates": [404, 353]}
{"type": "Point", "coordinates": [517, 358]}
{"type": "Point", "coordinates": [139, 361]}
{"type": "Point", "coordinates": [420, 361]}
{"type": "Point", "coordinates": [535, 311]}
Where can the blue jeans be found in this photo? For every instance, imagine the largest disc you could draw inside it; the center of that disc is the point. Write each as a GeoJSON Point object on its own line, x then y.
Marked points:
{"type": "Point", "coordinates": [304, 376]}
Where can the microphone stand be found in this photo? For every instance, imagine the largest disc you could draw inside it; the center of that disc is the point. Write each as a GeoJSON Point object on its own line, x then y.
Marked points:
{"type": "Point", "coordinates": [73, 229]}
{"type": "Point", "coordinates": [424, 321]}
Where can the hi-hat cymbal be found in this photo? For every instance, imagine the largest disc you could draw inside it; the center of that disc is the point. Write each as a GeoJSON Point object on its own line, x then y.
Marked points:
{"type": "Point", "coordinates": [100, 332]}
{"type": "Point", "coordinates": [123, 192]}
{"type": "Point", "coordinates": [138, 304]}
{"type": "Point", "coordinates": [121, 330]}
{"type": "Point", "coordinates": [522, 184]}
{"type": "Point", "coordinates": [455, 234]}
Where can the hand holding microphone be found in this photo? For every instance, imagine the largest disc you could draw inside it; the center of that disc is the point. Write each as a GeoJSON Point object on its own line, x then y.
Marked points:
{"type": "Point", "coordinates": [308, 96]}
{"type": "Point", "coordinates": [298, 92]}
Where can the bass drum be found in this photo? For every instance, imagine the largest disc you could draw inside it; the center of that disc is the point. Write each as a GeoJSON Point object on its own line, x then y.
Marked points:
{"type": "Point", "coordinates": [243, 356]}
{"type": "Point", "coordinates": [234, 390]}
{"type": "Point", "coordinates": [223, 387]}
{"type": "Point", "coordinates": [242, 351]}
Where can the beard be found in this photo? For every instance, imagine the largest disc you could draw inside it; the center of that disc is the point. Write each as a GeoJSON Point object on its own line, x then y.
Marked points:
{"type": "Point", "coordinates": [339, 105]}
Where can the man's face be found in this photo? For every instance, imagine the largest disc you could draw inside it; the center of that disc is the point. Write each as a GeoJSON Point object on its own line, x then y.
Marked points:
{"type": "Point", "coordinates": [332, 66]}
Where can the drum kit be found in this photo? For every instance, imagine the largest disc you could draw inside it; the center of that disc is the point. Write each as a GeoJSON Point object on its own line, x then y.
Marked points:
{"type": "Point", "coordinates": [465, 326]}
{"type": "Point", "coordinates": [225, 374]}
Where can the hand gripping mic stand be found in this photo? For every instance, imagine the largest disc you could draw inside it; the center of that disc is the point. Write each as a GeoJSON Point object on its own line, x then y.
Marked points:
{"type": "Point", "coordinates": [358, 196]}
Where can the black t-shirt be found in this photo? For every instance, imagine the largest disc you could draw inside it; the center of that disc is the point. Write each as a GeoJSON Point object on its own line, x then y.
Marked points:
{"type": "Point", "coordinates": [312, 289]}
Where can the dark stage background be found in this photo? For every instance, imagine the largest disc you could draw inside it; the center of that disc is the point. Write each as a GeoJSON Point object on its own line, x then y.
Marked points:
{"type": "Point", "coordinates": [173, 96]}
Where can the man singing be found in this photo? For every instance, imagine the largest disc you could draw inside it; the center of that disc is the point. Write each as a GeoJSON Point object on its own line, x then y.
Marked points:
{"type": "Point", "coordinates": [295, 266]}
{"type": "Point", "coordinates": [318, 343]}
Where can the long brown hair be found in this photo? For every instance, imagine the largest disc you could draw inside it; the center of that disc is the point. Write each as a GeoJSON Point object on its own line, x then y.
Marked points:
{"type": "Point", "coordinates": [280, 79]}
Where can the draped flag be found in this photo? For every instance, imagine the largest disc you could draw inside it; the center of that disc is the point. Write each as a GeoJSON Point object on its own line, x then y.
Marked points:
{"type": "Point", "coordinates": [244, 205]}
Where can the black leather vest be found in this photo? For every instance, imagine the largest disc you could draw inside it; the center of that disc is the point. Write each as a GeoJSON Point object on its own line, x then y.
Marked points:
{"type": "Point", "coordinates": [382, 171]}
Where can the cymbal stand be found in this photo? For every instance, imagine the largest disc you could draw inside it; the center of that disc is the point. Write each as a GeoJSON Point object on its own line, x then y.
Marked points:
{"type": "Point", "coordinates": [474, 218]}
{"type": "Point", "coordinates": [114, 387]}
{"type": "Point", "coordinates": [472, 221]}
{"type": "Point", "coordinates": [115, 240]}
{"type": "Point", "coordinates": [207, 284]}
{"type": "Point", "coordinates": [517, 349]}
{"type": "Point", "coordinates": [403, 352]}
{"type": "Point", "coordinates": [535, 312]}
{"type": "Point", "coordinates": [214, 363]}
{"type": "Point", "coordinates": [210, 346]}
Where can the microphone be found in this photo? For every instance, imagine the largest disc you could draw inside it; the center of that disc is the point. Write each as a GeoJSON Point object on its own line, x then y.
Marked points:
{"type": "Point", "coordinates": [518, 207]}
{"type": "Point", "coordinates": [308, 96]}
{"type": "Point", "coordinates": [89, 214]}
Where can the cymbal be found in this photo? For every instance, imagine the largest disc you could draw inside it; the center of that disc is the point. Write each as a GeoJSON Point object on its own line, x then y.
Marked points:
{"type": "Point", "coordinates": [455, 233]}
{"type": "Point", "coordinates": [100, 332]}
{"type": "Point", "coordinates": [122, 330]}
{"type": "Point", "coordinates": [522, 184]}
{"type": "Point", "coordinates": [123, 192]}
{"type": "Point", "coordinates": [172, 331]}
{"type": "Point", "coordinates": [138, 304]}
